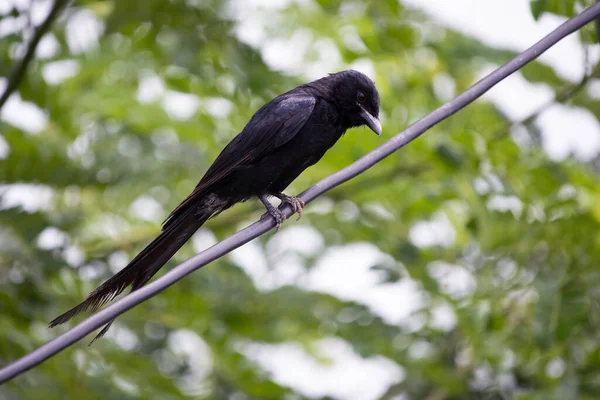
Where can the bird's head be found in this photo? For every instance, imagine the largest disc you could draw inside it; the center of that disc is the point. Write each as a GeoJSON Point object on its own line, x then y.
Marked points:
{"type": "Point", "coordinates": [356, 96]}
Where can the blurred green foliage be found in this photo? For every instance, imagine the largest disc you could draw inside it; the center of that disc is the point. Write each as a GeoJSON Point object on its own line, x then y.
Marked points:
{"type": "Point", "coordinates": [528, 327]}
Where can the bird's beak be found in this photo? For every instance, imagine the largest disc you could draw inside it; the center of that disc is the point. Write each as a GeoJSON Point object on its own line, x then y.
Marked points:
{"type": "Point", "coordinates": [371, 121]}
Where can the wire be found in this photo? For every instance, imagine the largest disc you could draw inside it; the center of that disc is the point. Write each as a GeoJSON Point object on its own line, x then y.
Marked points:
{"type": "Point", "coordinates": [265, 224]}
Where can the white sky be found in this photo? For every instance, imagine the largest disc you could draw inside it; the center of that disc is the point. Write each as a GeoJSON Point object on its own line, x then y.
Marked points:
{"type": "Point", "coordinates": [507, 24]}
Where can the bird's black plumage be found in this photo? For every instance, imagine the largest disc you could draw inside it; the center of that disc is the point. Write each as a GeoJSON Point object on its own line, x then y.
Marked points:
{"type": "Point", "coordinates": [284, 137]}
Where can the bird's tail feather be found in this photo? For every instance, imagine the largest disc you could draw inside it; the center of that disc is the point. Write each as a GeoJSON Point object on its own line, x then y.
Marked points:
{"type": "Point", "coordinates": [141, 269]}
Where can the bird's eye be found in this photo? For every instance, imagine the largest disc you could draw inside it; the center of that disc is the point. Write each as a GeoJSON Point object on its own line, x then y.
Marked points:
{"type": "Point", "coordinates": [360, 96]}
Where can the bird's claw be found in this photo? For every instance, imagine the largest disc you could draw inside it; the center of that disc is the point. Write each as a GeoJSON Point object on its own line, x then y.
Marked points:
{"type": "Point", "coordinates": [276, 213]}
{"type": "Point", "coordinates": [279, 217]}
{"type": "Point", "coordinates": [296, 203]}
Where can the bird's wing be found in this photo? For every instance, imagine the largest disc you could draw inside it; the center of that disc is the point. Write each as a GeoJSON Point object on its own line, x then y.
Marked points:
{"type": "Point", "coordinates": [273, 125]}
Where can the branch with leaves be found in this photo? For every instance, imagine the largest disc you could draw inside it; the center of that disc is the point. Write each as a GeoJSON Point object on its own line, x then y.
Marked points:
{"type": "Point", "coordinates": [560, 97]}
{"type": "Point", "coordinates": [20, 69]}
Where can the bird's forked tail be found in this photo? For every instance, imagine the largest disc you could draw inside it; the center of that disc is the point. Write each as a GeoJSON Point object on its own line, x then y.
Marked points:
{"type": "Point", "coordinates": [178, 229]}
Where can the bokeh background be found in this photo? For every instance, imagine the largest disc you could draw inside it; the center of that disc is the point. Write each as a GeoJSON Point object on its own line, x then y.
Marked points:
{"type": "Point", "coordinates": [463, 267]}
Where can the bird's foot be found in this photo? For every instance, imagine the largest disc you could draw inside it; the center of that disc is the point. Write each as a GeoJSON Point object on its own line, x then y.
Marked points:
{"type": "Point", "coordinates": [296, 202]}
{"type": "Point", "coordinates": [277, 214]}
{"type": "Point", "coordinates": [279, 217]}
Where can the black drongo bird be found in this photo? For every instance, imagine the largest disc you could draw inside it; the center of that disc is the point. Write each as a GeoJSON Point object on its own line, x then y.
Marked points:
{"type": "Point", "coordinates": [283, 138]}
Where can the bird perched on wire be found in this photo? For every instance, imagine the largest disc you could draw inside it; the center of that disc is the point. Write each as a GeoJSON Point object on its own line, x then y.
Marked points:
{"type": "Point", "coordinates": [284, 137]}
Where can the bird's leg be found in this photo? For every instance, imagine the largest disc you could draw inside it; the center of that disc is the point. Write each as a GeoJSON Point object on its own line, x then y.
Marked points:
{"type": "Point", "coordinates": [296, 202]}
{"type": "Point", "coordinates": [274, 212]}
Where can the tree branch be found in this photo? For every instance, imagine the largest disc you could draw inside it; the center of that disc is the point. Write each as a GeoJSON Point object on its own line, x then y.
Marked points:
{"type": "Point", "coordinates": [18, 72]}
{"type": "Point", "coordinates": [265, 224]}
{"type": "Point", "coordinates": [560, 97]}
